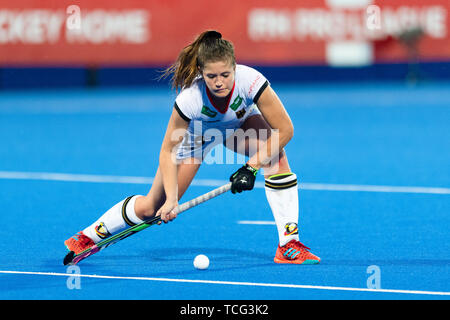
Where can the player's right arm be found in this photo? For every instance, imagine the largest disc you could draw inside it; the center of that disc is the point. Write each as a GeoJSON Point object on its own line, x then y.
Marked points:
{"type": "Point", "coordinates": [174, 135]}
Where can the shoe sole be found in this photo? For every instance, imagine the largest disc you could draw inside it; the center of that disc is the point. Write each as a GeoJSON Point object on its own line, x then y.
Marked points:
{"type": "Point", "coordinates": [306, 262]}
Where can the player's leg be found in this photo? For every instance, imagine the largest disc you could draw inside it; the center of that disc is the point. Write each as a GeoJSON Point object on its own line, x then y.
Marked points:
{"type": "Point", "coordinates": [281, 192]}
{"type": "Point", "coordinates": [280, 182]}
{"type": "Point", "coordinates": [131, 211]}
{"type": "Point", "coordinates": [147, 206]}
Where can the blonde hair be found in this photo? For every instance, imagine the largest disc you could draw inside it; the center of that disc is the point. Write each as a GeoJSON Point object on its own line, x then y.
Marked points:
{"type": "Point", "coordinates": [207, 47]}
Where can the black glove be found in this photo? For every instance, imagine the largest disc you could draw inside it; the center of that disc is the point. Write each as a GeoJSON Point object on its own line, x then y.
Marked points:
{"type": "Point", "coordinates": [243, 179]}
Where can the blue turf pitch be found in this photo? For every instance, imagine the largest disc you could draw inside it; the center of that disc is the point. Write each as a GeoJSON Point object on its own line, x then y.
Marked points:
{"type": "Point", "coordinates": [363, 135]}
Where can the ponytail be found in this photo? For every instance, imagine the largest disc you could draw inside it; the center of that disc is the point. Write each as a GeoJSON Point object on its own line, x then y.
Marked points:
{"type": "Point", "coordinates": [208, 46]}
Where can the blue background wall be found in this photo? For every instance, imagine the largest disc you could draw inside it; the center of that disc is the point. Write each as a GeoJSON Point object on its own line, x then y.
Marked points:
{"type": "Point", "coordinates": [80, 76]}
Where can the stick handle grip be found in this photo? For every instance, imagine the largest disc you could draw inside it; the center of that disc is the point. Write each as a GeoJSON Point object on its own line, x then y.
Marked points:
{"type": "Point", "coordinates": [204, 197]}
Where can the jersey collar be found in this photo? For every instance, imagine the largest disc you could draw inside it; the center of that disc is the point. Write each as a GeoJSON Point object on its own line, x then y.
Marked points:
{"type": "Point", "coordinates": [211, 99]}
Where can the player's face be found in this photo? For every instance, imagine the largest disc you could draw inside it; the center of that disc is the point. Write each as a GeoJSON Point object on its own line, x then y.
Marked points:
{"type": "Point", "coordinates": [219, 77]}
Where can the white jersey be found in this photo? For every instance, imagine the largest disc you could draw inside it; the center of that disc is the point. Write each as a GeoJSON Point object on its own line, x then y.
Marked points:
{"type": "Point", "coordinates": [205, 120]}
{"type": "Point", "coordinates": [193, 103]}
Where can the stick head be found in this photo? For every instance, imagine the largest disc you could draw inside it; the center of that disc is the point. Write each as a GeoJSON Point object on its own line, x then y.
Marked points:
{"type": "Point", "coordinates": [68, 258]}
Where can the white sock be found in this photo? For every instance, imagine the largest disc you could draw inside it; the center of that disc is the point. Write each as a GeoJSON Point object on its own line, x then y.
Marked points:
{"type": "Point", "coordinates": [118, 218]}
{"type": "Point", "coordinates": [282, 195]}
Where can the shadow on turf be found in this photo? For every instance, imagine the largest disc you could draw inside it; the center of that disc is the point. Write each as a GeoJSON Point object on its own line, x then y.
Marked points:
{"type": "Point", "coordinates": [164, 261]}
{"type": "Point", "coordinates": [220, 254]}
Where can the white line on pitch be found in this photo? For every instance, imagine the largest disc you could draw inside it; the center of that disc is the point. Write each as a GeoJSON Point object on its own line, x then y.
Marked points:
{"type": "Point", "coordinates": [234, 283]}
{"type": "Point", "coordinates": [69, 177]}
{"type": "Point", "coordinates": [256, 222]}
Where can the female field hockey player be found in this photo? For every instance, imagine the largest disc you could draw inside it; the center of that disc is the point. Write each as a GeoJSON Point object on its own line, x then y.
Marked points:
{"type": "Point", "coordinates": [216, 94]}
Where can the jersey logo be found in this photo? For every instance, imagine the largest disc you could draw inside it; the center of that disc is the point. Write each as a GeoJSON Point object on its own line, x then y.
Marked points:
{"type": "Point", "coordinates": [240, 113]}
{"type": "Point", "coordinates": [208, 112]}
{"type": "Point", "coordinates": [236, 103]}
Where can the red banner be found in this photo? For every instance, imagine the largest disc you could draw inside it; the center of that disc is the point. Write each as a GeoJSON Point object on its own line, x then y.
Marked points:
{"type": "Point", "coordinates": [285, 32]}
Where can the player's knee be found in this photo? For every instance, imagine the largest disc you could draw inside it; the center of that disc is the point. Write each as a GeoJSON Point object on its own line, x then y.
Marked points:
{"type": "Point", "coordinates": [277, 164]}
{"type": "Point", "coordinates": [145, 207]}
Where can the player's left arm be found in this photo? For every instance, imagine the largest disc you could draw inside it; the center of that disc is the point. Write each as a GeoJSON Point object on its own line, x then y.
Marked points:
{"type": "Point", "coordinates": [275, 114]}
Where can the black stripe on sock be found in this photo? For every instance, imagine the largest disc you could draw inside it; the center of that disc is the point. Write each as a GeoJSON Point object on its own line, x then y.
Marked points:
{"type": "Point", "coordinates": [280, 186]}
{"type": "Point", "coordinates": [124, 213]}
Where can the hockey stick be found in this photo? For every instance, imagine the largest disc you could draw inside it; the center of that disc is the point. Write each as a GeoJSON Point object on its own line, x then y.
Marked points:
{"type": "Point", "coordinates": [71, 258]}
